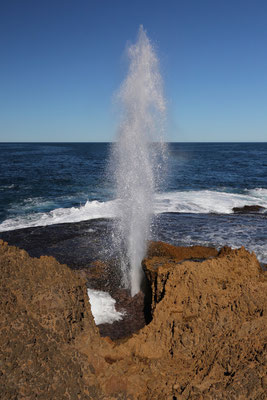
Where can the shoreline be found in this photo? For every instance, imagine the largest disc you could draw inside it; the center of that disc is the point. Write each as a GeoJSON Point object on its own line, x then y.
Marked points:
{"type": "Point", "coordinates": [94, 237]}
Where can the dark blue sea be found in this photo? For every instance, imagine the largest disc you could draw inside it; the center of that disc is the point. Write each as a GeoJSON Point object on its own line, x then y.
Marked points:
{"type": "Point", "coordinates": [57, 188]}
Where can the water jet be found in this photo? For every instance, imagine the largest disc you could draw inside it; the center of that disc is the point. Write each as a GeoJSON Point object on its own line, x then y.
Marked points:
{"type": "Point", "coordinates": [137, 157]}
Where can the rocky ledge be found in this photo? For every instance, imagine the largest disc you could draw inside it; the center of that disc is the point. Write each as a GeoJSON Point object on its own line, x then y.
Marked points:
{"type": "Point", "coordinates": [248, 209]}
{"type": "Point", "coordinates": [206, 338]}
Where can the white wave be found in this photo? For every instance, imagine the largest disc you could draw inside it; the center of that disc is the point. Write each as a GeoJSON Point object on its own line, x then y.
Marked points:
{"type": "Point", "coordinates": [208, 201]}
{"type": "Point", "coordinates": [5, 187]}
{"type": "Point", "coordinates": [199, 201]}
{"type": "Point", "coordinates": [103, 307]}
{"type": "Point", "coordinates": [259, 193]}
{"type": "Point", "coordinates": [91, 210]}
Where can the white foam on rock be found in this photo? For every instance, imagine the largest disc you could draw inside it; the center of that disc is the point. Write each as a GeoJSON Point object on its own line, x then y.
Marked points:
{"type": "Point", "coordinates": [103, 307]}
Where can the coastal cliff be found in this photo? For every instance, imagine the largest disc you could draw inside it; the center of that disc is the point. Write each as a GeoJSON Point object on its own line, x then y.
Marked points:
{"type": "Point", "coordinates": [206, 338]}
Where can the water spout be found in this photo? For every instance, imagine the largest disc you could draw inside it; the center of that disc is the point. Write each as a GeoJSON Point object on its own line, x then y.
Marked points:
{"type": "Point", "coordinates": [135, 156]}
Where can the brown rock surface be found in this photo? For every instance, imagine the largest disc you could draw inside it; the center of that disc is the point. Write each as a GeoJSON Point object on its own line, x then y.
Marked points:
{"type": "Point", "coordinates": [210, 324]}
{"type": "Point", "coordinates": [43, 309]}
{"type": "Point", "coordinates": [96, 276]}
{"type": "Point", "coordinates": [161, 249]}
{"type": "Point", "coordinates": [207, 338]}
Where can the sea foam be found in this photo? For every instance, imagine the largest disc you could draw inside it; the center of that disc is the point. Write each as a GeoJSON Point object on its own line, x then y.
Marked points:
{"type": "Point", "coordinates": [103, 307]}
{"type": "Point", "coordinates": [196, 202]}
{"type": "Point", "coordinates": [208, 201]}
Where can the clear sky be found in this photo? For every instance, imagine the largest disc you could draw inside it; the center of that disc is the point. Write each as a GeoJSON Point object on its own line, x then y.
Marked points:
{"type": "Point", "coordinates": [61, 61]}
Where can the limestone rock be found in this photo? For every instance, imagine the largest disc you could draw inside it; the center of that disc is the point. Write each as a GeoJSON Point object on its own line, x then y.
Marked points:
{"type": "Point", "coordinates": [161, 249]}
{"type": "Point", "coordinates": [207, 338]}
{"type": "Point", "coordinates": [43, 309]}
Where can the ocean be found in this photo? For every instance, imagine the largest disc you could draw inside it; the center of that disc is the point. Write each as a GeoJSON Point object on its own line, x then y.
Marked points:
{"type": "Point", "coordinates": [58, 198]}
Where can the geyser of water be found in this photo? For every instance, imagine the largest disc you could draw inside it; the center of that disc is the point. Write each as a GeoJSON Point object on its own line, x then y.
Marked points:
{"type": "Point", "coordinates": [136, 156]}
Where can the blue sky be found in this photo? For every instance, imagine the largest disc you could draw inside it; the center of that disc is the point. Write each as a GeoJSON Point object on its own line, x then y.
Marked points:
{"type": "Point", "coordinates": [62, 61]}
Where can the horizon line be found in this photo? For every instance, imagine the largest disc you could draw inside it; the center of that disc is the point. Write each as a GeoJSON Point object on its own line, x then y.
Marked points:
{"type": "Point", "coordinates": [106, 142]}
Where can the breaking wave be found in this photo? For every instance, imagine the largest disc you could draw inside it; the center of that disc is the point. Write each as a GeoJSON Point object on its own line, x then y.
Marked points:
{"type": "Point", "coordinates": [208, 201]}
{"type": "Point", "coordinates": [197, 202]}
{"type": "Point", "coordinates": [90, 210]}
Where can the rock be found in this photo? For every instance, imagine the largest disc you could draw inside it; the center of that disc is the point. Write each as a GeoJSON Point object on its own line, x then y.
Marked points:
{"type": "Point", "coordinates": [207, 338]}
{"type": "Point", "coordinates": [162, 257]}
{"type": "Point", "coordinates": [208, 329]}
{"type": "Point", "coordinates": [96, 275]}
{"type": "Point", "coordinates": [43, 309]}
{"type": "Point", "coordinates": [100, 276]}
{"type": "Point", "coordinates": [134, 318]}
{"type": "Point", "coordinates": [161, 249]}
{"type": "Point", "coordinates": [248, 209]}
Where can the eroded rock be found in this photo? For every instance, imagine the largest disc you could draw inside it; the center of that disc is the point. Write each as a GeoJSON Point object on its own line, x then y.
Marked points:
{"type": "Point", "coordinates": [207, 338]}
{"type": "Point", "coordinates": [161, 249]}
{"type": "Point", "coordinates": [44, 308]}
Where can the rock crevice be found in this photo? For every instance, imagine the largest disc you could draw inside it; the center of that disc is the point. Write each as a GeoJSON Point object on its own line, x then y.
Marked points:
{"type": "Point", "coordinates": [206, 340]}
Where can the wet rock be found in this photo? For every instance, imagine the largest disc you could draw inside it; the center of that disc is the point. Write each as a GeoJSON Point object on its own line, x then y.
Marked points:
{"type": "Point", "coordinates": [76, 244]}
{"type": "Point", "coordinates": [248, 209]}
{"type": "Point", "coordinates": [134, 318]}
